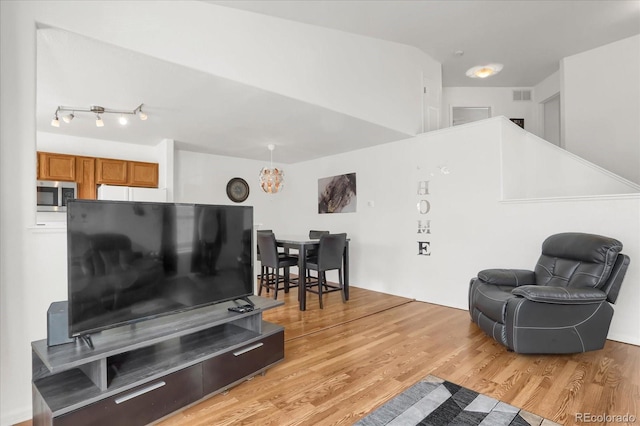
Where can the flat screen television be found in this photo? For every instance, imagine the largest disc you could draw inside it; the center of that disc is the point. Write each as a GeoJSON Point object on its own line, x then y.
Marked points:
{"type": "Point", "coordinates": [131, 261]}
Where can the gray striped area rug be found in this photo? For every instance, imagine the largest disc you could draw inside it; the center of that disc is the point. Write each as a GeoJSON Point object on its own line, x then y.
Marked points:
{"type": "Point", "coordinates": [436, 402]}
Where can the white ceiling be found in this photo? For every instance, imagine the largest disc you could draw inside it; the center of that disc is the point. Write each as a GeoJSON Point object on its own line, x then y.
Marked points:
{"type": "Point", "coordinates": [206, 113]}
{"type": "Point", "coordinates": [529, 36]}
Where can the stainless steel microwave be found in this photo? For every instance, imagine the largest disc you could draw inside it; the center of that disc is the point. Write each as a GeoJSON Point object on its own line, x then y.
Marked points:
{"type": "Point", "coordinates": [52, 196]}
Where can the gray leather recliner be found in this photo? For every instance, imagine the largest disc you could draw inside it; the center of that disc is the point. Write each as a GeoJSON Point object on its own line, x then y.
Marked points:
{"type": "Point", "coordinates": [562, 306]}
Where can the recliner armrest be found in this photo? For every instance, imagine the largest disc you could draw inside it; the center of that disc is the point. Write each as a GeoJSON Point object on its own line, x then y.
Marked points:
{"type": "Point", "coordinates": [560, 295]}
{"type": "Point", "coordinates": [512, 277]}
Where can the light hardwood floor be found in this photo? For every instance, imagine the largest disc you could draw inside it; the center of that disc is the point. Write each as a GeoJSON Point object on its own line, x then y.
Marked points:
{"type": "Point", "coordinates": [344, 361]}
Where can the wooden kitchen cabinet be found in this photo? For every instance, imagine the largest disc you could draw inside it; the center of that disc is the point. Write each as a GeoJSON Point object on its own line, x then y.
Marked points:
{"type": "Point", "coordinates": [143, 174]}
{"type": "Point", "coordinates": [56, 167]}
{"type": "Point", "coordinates": [89, 172]}
{"type": "Point", "coordinates": [130, 173]}
{"type": "Point", "coordinates": [86, 178]}
{"type": "Point", "coordinates": [111, 172]}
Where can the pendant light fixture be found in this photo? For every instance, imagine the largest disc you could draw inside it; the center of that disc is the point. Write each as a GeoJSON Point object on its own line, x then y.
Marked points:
{"type": "Point", "coordinates": [271, 179]}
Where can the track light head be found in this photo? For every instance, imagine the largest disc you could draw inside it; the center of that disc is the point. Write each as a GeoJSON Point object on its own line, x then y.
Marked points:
{"type": "Point", "coordinates": [123, 120]}
{"type": "Point", "coordinates": [67, 118]}
{"type": "Point", "coordinates": [55, 122]}
{"type": "Point", "coordinates": [99, 122]}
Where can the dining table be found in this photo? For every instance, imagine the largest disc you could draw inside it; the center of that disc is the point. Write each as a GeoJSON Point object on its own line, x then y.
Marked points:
{"type": "Point", "coordinates": [302, 244]}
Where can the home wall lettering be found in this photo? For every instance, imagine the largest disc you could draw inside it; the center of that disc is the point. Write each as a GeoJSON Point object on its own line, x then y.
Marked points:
{"type": "Point", "coordinates": [424, 223]}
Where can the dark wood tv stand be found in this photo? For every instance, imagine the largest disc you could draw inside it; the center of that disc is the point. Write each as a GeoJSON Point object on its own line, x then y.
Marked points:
{"type": "Point", "coordinates": [142, 372]}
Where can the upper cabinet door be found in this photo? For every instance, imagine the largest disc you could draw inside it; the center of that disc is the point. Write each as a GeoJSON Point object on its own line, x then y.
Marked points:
{"type": "Point", "coordinates": [143, 174]}
{"type": "Point", "coordinates": [111, 172]}
{"type": "Point", "coordinates": [56, 167]}
{"type": "Point", "coordinates": [86, 178]}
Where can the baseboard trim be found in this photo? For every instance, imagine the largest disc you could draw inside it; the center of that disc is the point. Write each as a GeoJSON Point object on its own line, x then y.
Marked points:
{"type": "Point", "coordinates": [15, 416]}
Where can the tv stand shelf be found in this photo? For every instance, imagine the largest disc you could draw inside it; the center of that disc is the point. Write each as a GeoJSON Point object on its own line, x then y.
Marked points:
{"type": "Point", "coordinates": [165, 363]}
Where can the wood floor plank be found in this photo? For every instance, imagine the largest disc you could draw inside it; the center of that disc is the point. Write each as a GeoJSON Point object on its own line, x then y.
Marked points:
{"type": "Point", "coordinates": [348, 359]}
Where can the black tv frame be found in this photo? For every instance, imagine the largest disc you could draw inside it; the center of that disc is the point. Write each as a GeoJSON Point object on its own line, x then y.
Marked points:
{"type": "Point", "coordinates": [247, 253]}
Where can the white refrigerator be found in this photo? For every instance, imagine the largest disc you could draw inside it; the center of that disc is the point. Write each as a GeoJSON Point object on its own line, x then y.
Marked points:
{"type": "Point", "coordinates": [127, 193]}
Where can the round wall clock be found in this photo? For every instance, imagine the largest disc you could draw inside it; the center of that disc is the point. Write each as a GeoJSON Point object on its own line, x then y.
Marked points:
{"type": "Point", "coordinates": [237, 190]}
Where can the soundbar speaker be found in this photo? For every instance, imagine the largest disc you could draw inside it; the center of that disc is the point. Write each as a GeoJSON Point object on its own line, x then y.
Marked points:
{"type": "Point", "coordinates": [58, 324]}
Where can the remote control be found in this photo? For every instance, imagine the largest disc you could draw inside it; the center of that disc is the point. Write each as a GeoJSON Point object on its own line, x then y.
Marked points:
{"type": "Point", "coordinates": [241, 309]}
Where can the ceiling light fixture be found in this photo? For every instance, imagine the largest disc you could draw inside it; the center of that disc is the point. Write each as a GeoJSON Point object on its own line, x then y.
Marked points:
{"type": "Point", "coordinates": [271, 179]}
{"type": "Point", "coordinates": [484, 71]}
{"type": "Point", "coordinates": [98, 111]}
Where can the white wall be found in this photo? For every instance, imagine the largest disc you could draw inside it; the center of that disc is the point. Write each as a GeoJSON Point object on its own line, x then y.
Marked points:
{"type": "Point", "coordinates": [542, 92]}
{"type": "Point", "coordinates": [601, 105]}
{"type": "Point", "coordinates": [535, 168]}
{"type": "Point", "coordinates": [471, 227]}
{"type": "Point", "coordinates": [202, 178]}
{"type": "Point", "coordinates": [21, 312]}
{"type": "Point", "coordinates": [547, 88]}
{"type": "Point", "coordinates": [500, 99]}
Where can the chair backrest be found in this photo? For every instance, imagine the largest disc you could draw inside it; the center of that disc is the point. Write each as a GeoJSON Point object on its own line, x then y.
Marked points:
{"type": "Point", "coordinates": [330, 251]}
{"type": "Point", "coordinates": [263, 231]}
{"type": "Point", "coordinates": [268, 249]}
{"type": "Point", "coordinates": [314, 234]}
{"type": "Point", "coordinates": [578, 260]}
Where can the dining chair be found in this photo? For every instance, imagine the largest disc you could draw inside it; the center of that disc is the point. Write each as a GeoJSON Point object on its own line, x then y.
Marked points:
{"type": "Point", "coordinates": [263, 231]}
{"type": "Point", "coordinates": [312, 252]}
{"type": "Point", "coordinates": [313, 234]}
{"type": "Point", "coordinates": [329, 257]}
{"type": "Point", "coordinates": [270, 258]}
{"type": "Point", "coordinates": [258, 257]}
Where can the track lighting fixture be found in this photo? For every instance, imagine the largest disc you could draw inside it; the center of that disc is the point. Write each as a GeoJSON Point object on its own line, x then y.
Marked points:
{"type": "Point", "coordinates": [99, 112]}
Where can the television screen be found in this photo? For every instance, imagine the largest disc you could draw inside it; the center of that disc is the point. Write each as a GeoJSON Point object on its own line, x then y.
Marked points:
{"type": "Point", "coordinates": [129, 261]}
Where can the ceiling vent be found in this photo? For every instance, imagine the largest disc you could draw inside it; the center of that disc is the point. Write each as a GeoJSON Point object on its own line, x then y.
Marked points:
{"type": "Point", "coordinates": [522, 95]}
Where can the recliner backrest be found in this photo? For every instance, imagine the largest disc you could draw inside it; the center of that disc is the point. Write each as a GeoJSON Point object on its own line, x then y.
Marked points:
{"type": "Point", "coordinates": [612, 287]}
{"type": "Point", "coordinates": [577, 260]}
